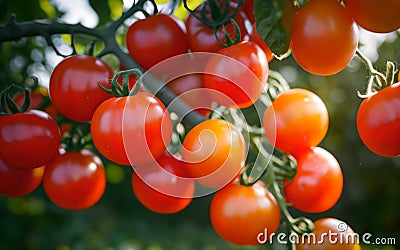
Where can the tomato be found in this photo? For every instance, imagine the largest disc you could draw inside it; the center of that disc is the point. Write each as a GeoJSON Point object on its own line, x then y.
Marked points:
{"type": "Point", "coordinates": [154, 39]}
{"type": "Point", "coordinates": [214, 152]}
{"type": "Point", "coordinates": [202, 38]}
{"type": "Point", "coordinates": [318, 183]}
{"type": "Point", "coordinates": [255, 37]}
{"type": "Point", "coordinates": [237, 75]}
{"type": "Point", "coordinates": [64, 126]}
{"type": "Point", "coordinates": [75, 180]}
{"type": "Point", "coordinates": [28, 140]}
{"type": "Point", "coordinates": [131, 130]}
{"type": "Point", "coordinates": [330, 234]}
{"type": "Point", "coordinates": [297, 119]}
{"type": "Point", "coordinates": [15, 182]}
{"type": "Point", "coordinates": [190, 89]}
{"type": "Point", "coordinates": [36, 100]}
{"type": "Point", "coordinates": [248, 8]}
{"type": "Point", "coordinates": [160, 189]}
{"type": "Point", "coordinates": [378, 121]}
{"type": "Point", "coordinates": [74, 89]}
{"type": "Point", "coordinates": [243, 214]}
{"type": "Point", "coordinates": [324, 37]}
{"type": "Point", "coordinates": [376, 16]}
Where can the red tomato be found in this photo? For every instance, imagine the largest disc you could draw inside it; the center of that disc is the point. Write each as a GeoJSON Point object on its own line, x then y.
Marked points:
{"type": "Point", "coordinates": [255, 37]}
{"type": "Point", "coordinates": [318, 183]}
{"type": "Point", "coordinates": [75, 180]}
{"type": "Point", "coordinates": [66, 126]}
{"type": "Point", "coordinates": [131, 130]}
{"type": "Point", "coordinates": [324, 37]}
{"type": "Point", "coordinates": [190, 89]}
{"type": "Point", "coordinates": [28, 140]}
{"type": "Point", "coordinates": [154, 39]}
{"type": "Point", "coordinates": [378, 121]}
{"type": "Point", "coordinates": [36, 100]}
{"type": "Point", "coordinates": [237, 75]}
{"type": "Point", "coordinates": [376, 16]}
{"type": "Point", "coordinates": [243, 214]}
{"type": "Point", "coordinates": [74, 89]}
{"type": "Point", "coordinates": [202, 38]}
{"type": "Point", "coordinates": [248, 7]}
{"type": "Point", "coordinates": [15, 182]}
{"type": "Point", "coordinates": [330, 234]}
{"type": "Point", "coordinates": [297, 119]}
{"type": "Point", "coordinates": [214, 152]}
{"type": "Point", "coordinates": [160, 189]}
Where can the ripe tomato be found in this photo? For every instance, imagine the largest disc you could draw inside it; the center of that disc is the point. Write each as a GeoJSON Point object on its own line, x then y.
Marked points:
{"type": "Point", "coordinates": [297, 119]}
{"type": "Point", "coordinates": [202, 38]}
{"type": "Point", "coordinates": [131, 130]}
{"type": "Point", "coordinates": [15, 182]}
{"type": "Point", "coordinates": [214, 152]}
{"type": "Point", "coordinates": [330, 234]}
{"type": "Point", "coordinates": [190, 89]}
{"type": "Point", "coordinates": [318, 183]}
{"type": "Point", "coordinates": [154, 39]}
{"type": "Point", "coordinates": [241, 214]}
{"type": "Point", "coordinates": [28, 140]}
{"type": "Point", "coordinates": [248, 8]}
{"type": "Point", "coordinates": [255, 37]}
{"type": "Point", "coordinates": [160, 189]}
{"type": "Point", "coordinates": [36, 100]}
{"type": "Point", "coordinates": [74, 89]}
{"type": "Point", "coordinates": [324, 37]}
{"type": "Point", "coordinates": [376, 16]}
{"type": "Point", "coordinates": [378, 121]}
{"type": "Point", "coordinates": [236, 75]}
{"type": "Point", "coordinates": [75, 180]}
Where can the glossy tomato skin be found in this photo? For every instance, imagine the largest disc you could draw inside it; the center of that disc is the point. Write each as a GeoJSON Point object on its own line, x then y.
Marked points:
{"type": "Point", "coordinates": [16, 182]}
{"type": "Point", "coordinates": [154, 39]}
{"type": "Point", "coordinates": [378, 121]}
{"type": "Point", "coordinates": [296, 120]}
{"type": "Point", "coordinates": [255, 37]}
{"type": "Point", "coordinates": [160, 189]}
{"type": "Point", "coordinates": [318, 183]}
{"type": "Point", "coordinates": [214, 152]}
{"type": "Point", "coordinates": [202, 38]}
{"type": "Point", "coordinates": [74, 89]}
{"type": "Point", "coordinates": [240, 214]}
{"type": "Point", "coordinates": [324, 37]}
{"type": "Point", "coordinates": [236, 75]}
{"type": "Point", "coordinates": [131, 130]}
{"type": "Point", "coordinates": [75, 180]}
{"type": "Point", "coordinates": [339, 232]}
{"type": "Point", "coordinates": [28, 140]}
{"type": "Point", "coordinates": [376, 16]}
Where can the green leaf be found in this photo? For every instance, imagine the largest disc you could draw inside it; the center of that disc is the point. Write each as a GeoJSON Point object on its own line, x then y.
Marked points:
{"type": "Point", "coordinates": [102, 9]}
{"type": "Point", "coordinates": [270, 24]}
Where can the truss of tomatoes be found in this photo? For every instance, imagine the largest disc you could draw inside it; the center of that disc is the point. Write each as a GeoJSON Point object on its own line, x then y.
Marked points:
{"type": "Point", "coordinates": [135, 130]}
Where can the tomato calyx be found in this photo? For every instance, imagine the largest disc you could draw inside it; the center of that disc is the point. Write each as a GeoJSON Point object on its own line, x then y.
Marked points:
{"type": "Point", "coordinates": [377, 79]}
{"type": "Point", "coordinates": [123, 89]}
{"type": "Point", "coordinates": [8, 105]}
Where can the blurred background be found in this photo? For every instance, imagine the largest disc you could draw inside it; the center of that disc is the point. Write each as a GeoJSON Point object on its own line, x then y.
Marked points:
{"type": "Point", "coordinates": [371, 196]}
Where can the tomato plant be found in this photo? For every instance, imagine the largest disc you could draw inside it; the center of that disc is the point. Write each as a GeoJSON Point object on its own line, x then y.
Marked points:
{"type": "Point", "coordinates": [318, 183]}
{"type": "Point", "coordinates": [214, 152]}
{"type": "Point", "coordinates": [375, 16]}
{"type": "Point", "coordinates": [297, 119]}
{"type": "Point", "coordinates": [255, 37]}
{"type": "Point", "coordinates": [16, 182]}
{"type": "Point", "coordinates": [28, 140]}
{"type": "Point", "coordinates": [378, 121]}
{"type": "Point", "coordinates": [330, 234]}
{"type": "Point", "coordinates": [324, 37]}
{"type": "Point", "coordinates": [74, 89]}
{"type": "Point", "coordinates": [240, 214]}
{"type": "Point", "coordinates": [159, 33]}
{"type": "Point", "coordinates": [159, 188]}
{"type": "Point", "coordinates": [75, 180]}
{"type": "Point", "coordinates": [131, 130]}
{"type": "Point", "coordinates": [236, 75]}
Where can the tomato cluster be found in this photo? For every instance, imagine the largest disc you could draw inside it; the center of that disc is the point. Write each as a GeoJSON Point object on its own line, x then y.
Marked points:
{"type": "Point", "coordinates": [134, 128]}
